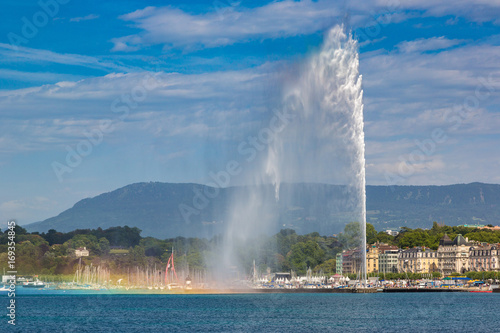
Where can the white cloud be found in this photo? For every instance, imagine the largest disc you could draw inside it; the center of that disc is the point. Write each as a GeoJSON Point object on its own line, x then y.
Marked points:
{"type": "Point", "coordinates": [428, 165]}
{"type": "Point", "coordinates": [429, 80]}
{"type": "Point", "coordinates": [428, 44]}
{"type": "Point", "coordinates": [173, 27]}
{"type": "Point", "coordinates": [452, 21]}
{"type": "Point", "coordinates": [473, 10]}
{"type": "Point", "coordinates": [84, 18]}
{"type": "Point", "coordinates": [21, 54]}
{"type": "Point", "coordinates": [197, 105]}
{"type": "Point", "coordinates": [372, 41]}
{"type": "Point", "coordinates": [410, 94]}
{"type": "Point", "coordinates": [407, 95]}
{"type": "Point", "coordinates": [34, 77]}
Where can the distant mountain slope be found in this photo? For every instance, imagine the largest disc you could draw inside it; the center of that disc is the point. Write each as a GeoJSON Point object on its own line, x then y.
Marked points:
{"type": "Point", "coordinates": [155, 208]}
{"type": "Point", "coordinates": [418, 206]}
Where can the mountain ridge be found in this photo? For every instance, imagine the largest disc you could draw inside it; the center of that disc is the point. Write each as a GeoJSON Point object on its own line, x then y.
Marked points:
{"type": "Point", "coordinates": [156, 208]}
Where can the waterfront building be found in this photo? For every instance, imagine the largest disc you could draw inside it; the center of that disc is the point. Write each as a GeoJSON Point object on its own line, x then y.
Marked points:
{"type": "Point", "coordinates": [388, 261]}
{"type": "Point", "coordinates": [347, 262]}
{"type": "Point", "coordinates": [418, 260]}
{"type": "Point", "coordinates": [351, 261]}
{"type": "Point", "coordinates": [373, 257]}
{"type": "Point", "coordinates": [372, 254]}
{"type": "Point", "coordinates": [453, 256]}
{"type": "Point", "coordinates": [356, 261]}
{"type": "Point", "coordinates": [338, 263]}
{"type": "Point", "coordinates": [484, 257]}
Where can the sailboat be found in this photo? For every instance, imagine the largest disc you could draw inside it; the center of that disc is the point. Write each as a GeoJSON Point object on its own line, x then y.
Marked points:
{"type": "Point", "coordinates": [171, 267]}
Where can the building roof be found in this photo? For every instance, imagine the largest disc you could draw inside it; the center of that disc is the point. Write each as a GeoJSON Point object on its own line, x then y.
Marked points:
{"type": "Point", "coordinates": [484, 246]}
{"type": "Point", "coordinates": [460, 240]}
{"type": "Point", "coordinates": [418, 249]}
{"type": "Point", "coordinates": [385, 247]}
{"type": "Point", "coordinates": [446, 240]}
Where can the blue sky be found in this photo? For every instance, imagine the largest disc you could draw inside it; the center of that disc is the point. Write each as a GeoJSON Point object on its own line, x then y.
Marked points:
{"type": "Point", "coordinates": [206, 74]}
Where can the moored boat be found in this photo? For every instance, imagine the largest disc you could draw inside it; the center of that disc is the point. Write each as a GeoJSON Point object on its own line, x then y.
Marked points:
{"type": "Point", "coordinates": [34, 284]}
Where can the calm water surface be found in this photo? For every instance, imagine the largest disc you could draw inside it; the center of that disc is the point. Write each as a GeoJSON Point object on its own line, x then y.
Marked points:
{"type": "Point", "coordinates": [421, 312]}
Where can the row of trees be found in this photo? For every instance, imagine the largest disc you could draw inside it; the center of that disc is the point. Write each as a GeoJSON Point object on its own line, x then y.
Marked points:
{"type": "Point", "coordinates": [409, 238]}
{"type": "Point", "coordinates": [52, 252]}
{"type": "Point", "coordinates": [116, 236]}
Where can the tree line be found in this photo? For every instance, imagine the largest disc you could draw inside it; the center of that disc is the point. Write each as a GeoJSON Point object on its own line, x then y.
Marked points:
{"type": "Point", "coordinates": [123, 248]}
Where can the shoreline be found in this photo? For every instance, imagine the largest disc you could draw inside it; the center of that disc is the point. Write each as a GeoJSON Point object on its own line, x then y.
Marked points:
{"type": "Point", "coordinates": [120, 291]}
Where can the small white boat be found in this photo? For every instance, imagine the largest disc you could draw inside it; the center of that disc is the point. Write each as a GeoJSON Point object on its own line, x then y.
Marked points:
{"type": "Point", "coordinates": [34, 284]}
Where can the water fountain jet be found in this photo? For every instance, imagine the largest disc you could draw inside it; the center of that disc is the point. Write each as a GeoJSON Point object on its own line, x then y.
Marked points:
{"type": "Point", "coordinates": [325, 142]}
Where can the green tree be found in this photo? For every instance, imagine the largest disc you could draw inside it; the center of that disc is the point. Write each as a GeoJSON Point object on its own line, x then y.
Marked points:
{"type": "Point", "coordinates": [328, 267]}
{"type": "Point", "coordinates": [351, 238]}
{"type": "Point", "coordinates": [19, 230]}
{"type": "Point", "coordinates": [414, 238]}
{"type": "Point", "coordinates": [371, 234]}
{"type": "Point", "coordinates": [59, 250]}
{"type": "Point", "coordinates": [137, 256]}
{"type": "Point", "coordinates": [27, 258]}
{"type": "Point", "coordinates": [34, 239]}
{"type": "Point", "coordinates": [384, 237]}
{"type": "Point", "coordinates": [54, 237]}
{"type": "Point", "coordinates": [484, 236]}
{"type": "Point", "coordinates": [83, 240]}
{"type": "Point", "coordinates": [304, 255]}
{"type": "Point", "coordinates": [104, 245]}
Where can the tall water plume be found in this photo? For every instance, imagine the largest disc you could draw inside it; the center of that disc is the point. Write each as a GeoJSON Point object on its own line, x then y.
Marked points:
{"type": "Point", "coordinates": [325, 141]}
{"type": "Point", "coordinates": [322, 141]}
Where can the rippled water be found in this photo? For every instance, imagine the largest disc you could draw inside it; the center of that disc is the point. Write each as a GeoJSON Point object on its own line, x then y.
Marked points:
{"type": "Point", "coordinates": [421, 312]}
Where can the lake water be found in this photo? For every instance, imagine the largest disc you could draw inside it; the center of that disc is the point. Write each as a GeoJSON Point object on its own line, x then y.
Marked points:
{"type": "Point", "coordinates": [56, 311]}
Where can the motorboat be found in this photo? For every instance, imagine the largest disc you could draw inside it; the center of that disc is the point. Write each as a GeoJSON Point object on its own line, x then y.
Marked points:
{"type": "Point", "coordinates": [34, 284]}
